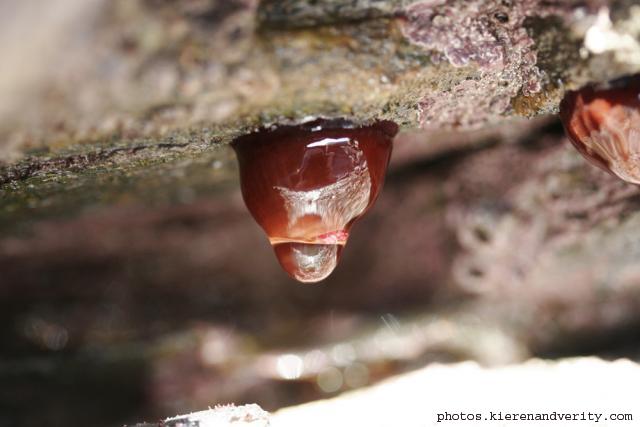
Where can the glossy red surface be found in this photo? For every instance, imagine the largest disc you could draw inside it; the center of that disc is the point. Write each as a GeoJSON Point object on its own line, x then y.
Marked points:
{"type": "Point", "coordinates": [603, 123]}
{"type": "Point", "coordinates": [306, 185]}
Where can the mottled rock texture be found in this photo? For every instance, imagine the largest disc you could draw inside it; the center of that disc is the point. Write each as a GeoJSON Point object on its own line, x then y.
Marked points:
{"type": "Point", "coordinates": [154, 68]}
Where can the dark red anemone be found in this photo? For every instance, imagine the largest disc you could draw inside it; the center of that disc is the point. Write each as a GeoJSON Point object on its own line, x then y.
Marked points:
{"type": "Point", "coordinates": [306, 185]}
{"type": "Point", "coordinates": [603, 123]}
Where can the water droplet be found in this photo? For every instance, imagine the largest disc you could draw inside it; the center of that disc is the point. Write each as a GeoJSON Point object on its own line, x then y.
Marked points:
{"type": "Point", "coordinates": [308, 263]}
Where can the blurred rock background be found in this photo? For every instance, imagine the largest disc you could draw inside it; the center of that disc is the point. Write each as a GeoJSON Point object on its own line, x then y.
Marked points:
{"type": "Point", "coordinates": [133, 282]}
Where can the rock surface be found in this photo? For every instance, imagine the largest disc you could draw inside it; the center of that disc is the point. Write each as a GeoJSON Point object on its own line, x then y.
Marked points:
{"type": "Point", "coordinates": [220, 416]}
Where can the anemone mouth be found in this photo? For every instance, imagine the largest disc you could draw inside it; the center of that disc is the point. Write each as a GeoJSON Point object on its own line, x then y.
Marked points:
{"type": "Point", "coordinates": [308, 262]}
